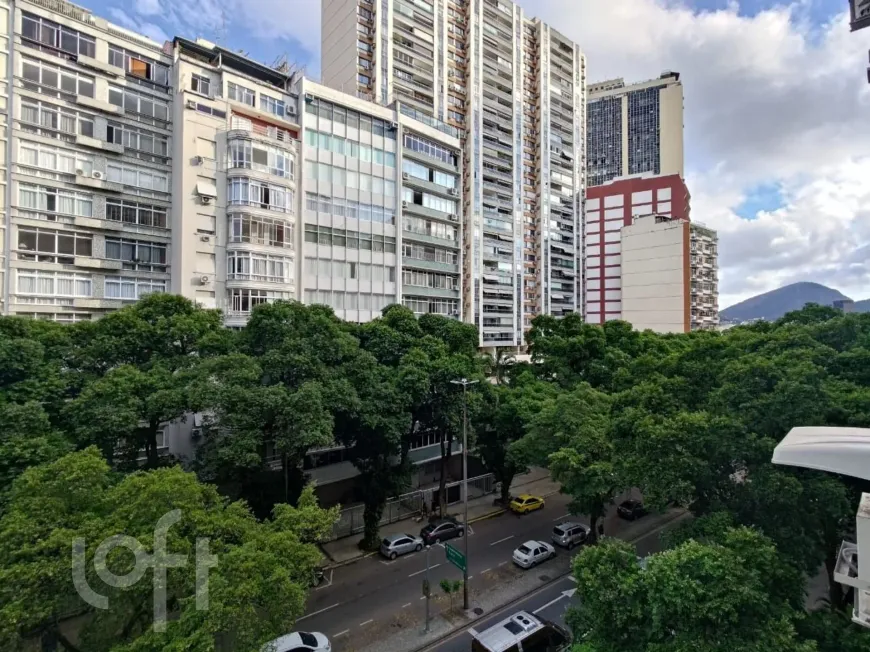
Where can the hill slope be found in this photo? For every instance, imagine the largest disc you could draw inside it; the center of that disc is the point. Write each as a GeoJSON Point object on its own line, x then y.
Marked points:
{"type": "Point", "coordinates": [774, 304]}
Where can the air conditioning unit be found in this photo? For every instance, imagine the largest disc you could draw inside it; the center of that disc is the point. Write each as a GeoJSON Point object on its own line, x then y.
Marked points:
{"type": "Point", "coordinates": [197, 160]}
{"type": "Point", "coordinates": [394, 125]}
{"type": "Point", "coordinates": [405, 175]}
{"type": "Point", "coordinates": [96, 174]}
{"type": "Point", "coordinates": [205, 200]}
{"type": "Point", "coordinates": [453, 216]}
{"type": "Point", "coordinates": [309, 97]}
{"type": "Point", "coordinates": [291, 110]}
{"type": "Point", "coordinates": [80, 172]}
{"type": "Point", "coordinates": [191, 104]}
{"type": "Point", "coordinates": [404, 204]}
{"type": "Point", "coordinates": [453, 191]}
{"type": "Point", "coordinates": [204, 279]}
{"type": "Point", "coordinates": [205, 238]}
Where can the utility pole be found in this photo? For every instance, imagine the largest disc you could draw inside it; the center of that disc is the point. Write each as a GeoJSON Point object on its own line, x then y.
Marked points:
{"type": "Point", "coordinates": [427, 588]}
{"type": "Point", "coordinates": [465, 383]}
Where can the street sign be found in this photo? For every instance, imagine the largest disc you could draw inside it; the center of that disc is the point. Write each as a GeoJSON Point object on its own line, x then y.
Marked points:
{"type": "Point", "coordinates": [455, 557]}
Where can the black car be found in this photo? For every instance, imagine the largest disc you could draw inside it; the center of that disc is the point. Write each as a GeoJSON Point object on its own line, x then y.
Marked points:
{"type": "Point", "coordinates": [441, 530]}
{"type": "Point", "coordinates": [631, 509]}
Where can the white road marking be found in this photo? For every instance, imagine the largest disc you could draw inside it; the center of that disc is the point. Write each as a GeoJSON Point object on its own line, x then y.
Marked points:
{"type": "Point", "coordinates": [470, 576]}
{"type": "Point", "coordinates": [406, 605]}
{"type": "Point", "coordinates": [314, 613]}
{"type": "Point", "coordinates": [508, 538]}
{"type": "Point", "coordinates": [572, 578]}
{"type": "Point", "coordinates": [561, 517]}
{"type": "Point", "coordinates": [422, 597]}
{"type": "Point", "coordinates": [502, 563]}
{"type": "Point", "coordinates": [424, 570]}
{"type": "Point", "coordinates": [485, 571]}
{"type": "Point", "coordinates": [329, 583]}
{"type": "Point", "coordinates": [564, 594]}
{"type": "Point", "coordinates": [340, 633]}
{"type": "Point", "coordinates": [370, 620]}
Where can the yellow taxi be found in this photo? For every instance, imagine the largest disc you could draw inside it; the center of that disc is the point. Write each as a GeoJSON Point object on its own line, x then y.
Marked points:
{"type": "Point", "coordinates": [526, 503]}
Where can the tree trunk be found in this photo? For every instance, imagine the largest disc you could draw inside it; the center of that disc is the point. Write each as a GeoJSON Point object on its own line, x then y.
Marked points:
{"type": "Point", "coordinates": [593, 529]}
{"type": "Point", "coordinates": [151, 459]}
{"type": "Point", "coordinates": [286, 472]}
{"type": "Point", "coordinates": [506, 481]}
{"type": "Point", "coordinates": [372, 513]}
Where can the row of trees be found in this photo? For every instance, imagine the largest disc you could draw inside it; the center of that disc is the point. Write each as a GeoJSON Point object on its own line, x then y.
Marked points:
{"type": "Point", "coordinates": [688, 419]}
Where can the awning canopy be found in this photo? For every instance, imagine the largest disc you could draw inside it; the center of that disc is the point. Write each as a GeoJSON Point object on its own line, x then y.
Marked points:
{"type": "Point", "coordinates": [836, 450]}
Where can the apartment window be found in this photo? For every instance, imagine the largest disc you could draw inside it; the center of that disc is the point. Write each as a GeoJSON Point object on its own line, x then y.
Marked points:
{"type": "Point", "coordinates": [200, 84]}
{"type": "Point", "coordinates": [132, 289]}
{"type": "Point", "coordinates": [37, 31]}
{"type": "Point", "coordinates": [55, 159]}
{"type": "Point", "coordinates": [130, 175]}
{"type": "Point", "coordinates": [424, 146]}
{"type": "Point", "coordinates": [263, 158]}
{"type": "Point", "coordinates": [365, 64]}
{"type": "Point", "coordinates": [242, 301]}
{"type": "Point", "coordinates": [350, 239]}
{"type": "Point", "coordinates": [139, 66]}
{"type": "Point", "coordinates": [139, 140]}
{"type": "Point", "coordinates": [59, 284]}
{"type": "Point", "coordinates": [48, 246]}
{"type": "Point", "coordinates": [53, 121]}
{"type": "Point", "coordinates": [261, 230]}
{"type": "Point", "coordinates": [256, 193]}
{"type": "Point", "coordinates": [137, 255]}
{"type": "Point", "coordinates": [52, 200]}
{"type": "Point", "coordinates": [429, 201]}
{"type": "Point", "coordinates": [247, 266]}
{"type": "Point", "coordinates": [53, 80]}
{"type": "Point", "coordinates": [363, 46]}
{"type": "Point", "coordinates": [430, 254]}
{"type": "Point", "coordinates": [430, 228]}
{"type": "Point", "coordinates": [241, 94]}
{"type": "Point", "coordinates": [271, 105]}
{"type": "Point", "coordinates": [141, 105]}
{"type": "Point", "coordinates": [119, 210]}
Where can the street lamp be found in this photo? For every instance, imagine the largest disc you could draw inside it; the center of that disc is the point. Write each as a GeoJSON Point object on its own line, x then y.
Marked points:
{"type": "Point", "coordinates": [465, 383]}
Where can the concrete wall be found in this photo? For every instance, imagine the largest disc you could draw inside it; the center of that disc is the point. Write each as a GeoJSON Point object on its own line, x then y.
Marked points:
{"type": "Point", "coordinates": [338, 37]}
{"type": "Point", "coordinates": [671, 121]}
{"type": "Point", "coordinates": [654, 288]}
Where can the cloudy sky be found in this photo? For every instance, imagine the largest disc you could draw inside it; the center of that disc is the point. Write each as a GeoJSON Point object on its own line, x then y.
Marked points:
{"type": "Point", "coordinates": [776, 96]}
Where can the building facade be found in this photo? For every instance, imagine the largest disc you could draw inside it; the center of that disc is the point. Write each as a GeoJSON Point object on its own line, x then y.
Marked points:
{"type": "Point", "coordinates": [87, 161]}
{"type": "Point", "coordinates": [634, 129]}
{"type": "Point", "coordinates": [609, 208]}
{"type": "Point", "coordinates": [514, 90]}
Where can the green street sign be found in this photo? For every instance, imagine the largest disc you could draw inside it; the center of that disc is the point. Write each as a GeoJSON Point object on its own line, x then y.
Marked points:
{"type": "Point", "coordinates": [455, 557]}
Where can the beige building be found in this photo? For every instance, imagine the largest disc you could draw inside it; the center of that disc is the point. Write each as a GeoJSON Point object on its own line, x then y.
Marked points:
{"type": "Point", "coordinates": [513, 89]}
{"type": "Point", "coordinates": [669, 276]}
{"type": "Point", "coordinates": [634, 128]}
{"type": "Point", "coordinates": [86, 163]}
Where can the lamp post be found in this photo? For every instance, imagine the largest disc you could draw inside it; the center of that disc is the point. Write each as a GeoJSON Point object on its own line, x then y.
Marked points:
{"type": "Point", "coordinates": [465, 383]}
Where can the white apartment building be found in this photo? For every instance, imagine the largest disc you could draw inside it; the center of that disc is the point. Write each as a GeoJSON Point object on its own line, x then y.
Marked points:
{"type": "Point", "coordinates": [515, 90]}
{"type": "Point", "coordinates": [704, 268]}
{"type": "Point", "coordinates": [86, 163]}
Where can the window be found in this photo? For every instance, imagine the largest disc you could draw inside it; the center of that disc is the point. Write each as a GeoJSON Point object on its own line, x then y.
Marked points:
{"type": "Point", "coordinates": [263, 158]}
{"type": "Point", "coordinates": [52, 200]}
{"type": "Point", "coordinates": [449, 307]}
{"type": "Point", "coordinates": [55, 159]}
{"type": "Point", "coordinates": [256, 193]}
{"type": "Point", "coordinates": [62, 284]}
{"type": "Point", "coordinates": [47, 246]}
{"type": "Point", "coordinates": [430, 228]}
{"type": "Point", "coordinates": [137, 255]}
{"type": "Point", "coordinates": [130, 175]}
{"type": "Point", "coordinates": [139, 66]}
{"type": "Point", "coordinates": [247, 266]}
{"type": "Point", "coordinates": [140, 105]}
{"type": "Point", "coordinates": [119, 210]}
{"type": "Point", "coordinates": [243, 301]}
{"type": "Point", "coordinates": [431, 254]}
{"type": "Point", "coordinates": [271, 105]}
{"type": "Point", "coordinates": [139, 140]}
{"type": "Point", "coordinates": [53, 121]}
{"type": "Point", "coordinates": [350, 239]}
{"type": "Point", "coordinates": [240, 94]}
{"type": "Point", "coordinates": [423, 146]}
{"type": "Point", "coordinates": [132, 289]}
{"type": "Point", "coordinates": [261, 230]}
{"type": "Point", "coordinates": [53, 80]}
{"type": "Point", "coordinates": [38, 32]}
{"type": "Point", "coordinates": [365, 80]}
{"type": "Point", "coordinates": [200, 84]}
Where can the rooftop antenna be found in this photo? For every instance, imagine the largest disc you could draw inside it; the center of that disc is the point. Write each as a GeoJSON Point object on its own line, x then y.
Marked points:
{"type": "Point", "coordinates": [220, 32]}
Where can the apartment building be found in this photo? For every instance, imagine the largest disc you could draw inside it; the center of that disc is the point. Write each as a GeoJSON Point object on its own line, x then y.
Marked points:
{"type": "Point", "coordinates": [514, 90]}
{"type": "Point", "coordinates": [87, 163]}
{"type": "Point", "coordinates": [635, 128]}
{"type": "Point", "coordinates": [609, 208]}
{"type": "Point", "coordinates": [669, 275]}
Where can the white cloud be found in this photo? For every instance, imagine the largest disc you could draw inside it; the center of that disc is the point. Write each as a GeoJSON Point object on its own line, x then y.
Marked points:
{"type": "Point", "coordinates": [147, 7]}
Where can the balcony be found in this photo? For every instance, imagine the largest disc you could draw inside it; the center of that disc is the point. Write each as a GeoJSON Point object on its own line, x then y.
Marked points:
{"type": "Point", "coordinates": [270, 135]}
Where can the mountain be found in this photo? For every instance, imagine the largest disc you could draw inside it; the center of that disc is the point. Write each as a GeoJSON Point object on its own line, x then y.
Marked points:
{"type": "Point", "coordinates": [862, 306]}
{"type": "Point", "coordinates": [774, 304]}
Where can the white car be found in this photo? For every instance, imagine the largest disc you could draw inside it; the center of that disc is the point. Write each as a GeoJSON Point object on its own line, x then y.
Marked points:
{"type": "Point", "coordinates": [532, 553]}
{"type": "Point", "coordinates": [299, 642]}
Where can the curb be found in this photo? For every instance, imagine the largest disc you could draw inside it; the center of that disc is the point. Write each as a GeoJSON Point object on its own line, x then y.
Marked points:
{"type": "Point", "coordinates": [471, 623]}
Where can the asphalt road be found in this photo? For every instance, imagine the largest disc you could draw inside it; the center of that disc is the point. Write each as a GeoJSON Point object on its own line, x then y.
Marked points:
{"type": "Point", "coordinates": [364, 600]}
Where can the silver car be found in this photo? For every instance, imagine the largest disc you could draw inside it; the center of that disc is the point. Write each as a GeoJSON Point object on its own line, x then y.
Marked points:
{"type": "Point", "coordinates": [532, 553]}
{"type": "Point", "coordinates": [400, 544]}
{"type": "Point", "coordinates": [570, 534]}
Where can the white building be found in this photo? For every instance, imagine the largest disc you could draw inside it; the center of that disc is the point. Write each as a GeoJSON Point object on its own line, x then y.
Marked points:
{"type": "Point", "coordinates": [86, 163]}
{"type": "Point", "coordinates": [514, 89]}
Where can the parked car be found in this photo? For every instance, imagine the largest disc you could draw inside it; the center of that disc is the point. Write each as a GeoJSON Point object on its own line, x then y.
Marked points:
{"type": "Point", "coordinates": [532, 553]}
{"type": "Point", "coordinates": [570, 534]}
{"type": "Point", "coordinates": [400, 544]}
{"type": "Point", "coordinates": [631, 509]}
{"type": "Point", "coordinates": [299, 642]}
{"type": "Point", "coordinates": [525, 503]}
{"type": "Point", "coordinates": [441, 529]}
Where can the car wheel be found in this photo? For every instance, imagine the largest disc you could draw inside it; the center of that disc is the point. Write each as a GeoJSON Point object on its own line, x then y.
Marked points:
{"type": "Point", "coordinates": [461, 533]}
{"type": "Point", "coordinates": [552, 554]}
{"type": "Point", "coordinates": [418, 548]}
{"type": "Point", "coordinates": [436, 541]}
{"type": "Point", "coordinates": [393, 555]}
{"type": "Point", "coordinates": [570, 545]}
{"type": "Point", "coordinates": [533, 564]}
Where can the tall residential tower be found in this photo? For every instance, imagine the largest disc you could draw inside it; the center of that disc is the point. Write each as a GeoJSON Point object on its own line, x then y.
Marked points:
{"type": "Point", "coordinates": [515, 90]}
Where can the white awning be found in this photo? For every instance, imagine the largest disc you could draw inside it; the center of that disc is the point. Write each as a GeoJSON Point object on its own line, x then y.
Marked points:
{"type": "Point", "coordinates": [824, 448]}
{"type": "Point", "coordinates": [204, 189]}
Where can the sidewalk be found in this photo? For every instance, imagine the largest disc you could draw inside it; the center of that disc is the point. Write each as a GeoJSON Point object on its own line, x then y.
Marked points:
{"type": "Point", "coordinates": [537, 481]}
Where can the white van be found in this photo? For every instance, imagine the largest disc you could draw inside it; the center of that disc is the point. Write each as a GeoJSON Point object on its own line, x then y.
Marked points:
{"type": "Point", "coordinates": [521, 632]}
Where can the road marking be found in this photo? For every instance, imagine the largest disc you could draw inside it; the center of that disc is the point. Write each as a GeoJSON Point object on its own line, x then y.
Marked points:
{"type": "Point", "coordinates": [406, 605]}
{"type": "Point", "coordinates": [572, 578]}
{"type": "Point", "coordinates": [314, 613]}
{"type": "Point", "coordinates": [422, 597]}
{"type": "Point", "coordinates": [502, 540]}
{"type": "Point", "coordinates": [340, 633]}
{"type": "Point", "coordinates": [470, 576]}
{"type": "Point", "coordinates": [370, 620]}
{"type": "Point", "coordinates": [561, 517]}
{"type": "Point", "coordinates": [329, 583]}
{"type": "Point", "coordinates": [502, 563]}
{"type": "Point", "coordinates": [564, 594]}
{"type": "Point", "coordinates": [424, 570]}
{"type": "Point", "coordinates": [485, 571]}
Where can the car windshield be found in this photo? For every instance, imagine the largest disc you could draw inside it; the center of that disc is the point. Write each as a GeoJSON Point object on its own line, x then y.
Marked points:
{"type": "Point", "coordinates": [558, 531]}
{"type": "Point", "coordinates": [386, 542]}
{"type": "Point", "coordinates": [524, 550]}
{"type": "Point", "coordinates": [429, 528]}
{"type": "Point", "coordinates": [308, 639]}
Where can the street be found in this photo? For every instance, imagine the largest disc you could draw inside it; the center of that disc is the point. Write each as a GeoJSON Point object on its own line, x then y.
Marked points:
{"type": "Point", "coordinates": [372, 598]}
